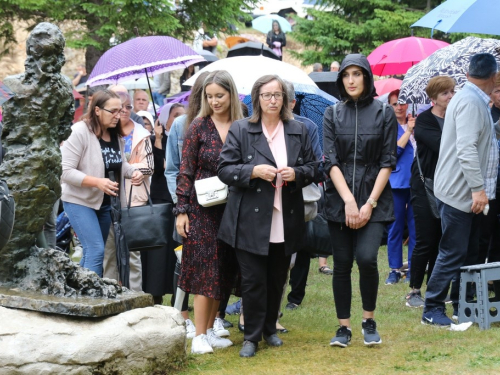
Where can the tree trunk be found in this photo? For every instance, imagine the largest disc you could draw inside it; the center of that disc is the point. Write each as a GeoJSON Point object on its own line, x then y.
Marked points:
{"type": "Point", "coordinates": [428, 7]}
{"type": "Point", "coordinates": [92, 55]}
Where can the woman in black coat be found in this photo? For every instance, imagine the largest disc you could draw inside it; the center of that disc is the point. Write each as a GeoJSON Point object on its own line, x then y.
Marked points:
{"type": "Point", "coordinates": [276, 39]}
{"type": "Point", "coordinates": [360, 152]}
{"type": "Point", "coordinates": [266, 161]}
{"type": "Point", "coordinates": [428, 129]}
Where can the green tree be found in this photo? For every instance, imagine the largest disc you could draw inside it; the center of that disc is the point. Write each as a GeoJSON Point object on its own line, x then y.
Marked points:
{"type": "Point", "coordinates": [94, 22]}
{"type": "Point", "coordinates": [353, 26]}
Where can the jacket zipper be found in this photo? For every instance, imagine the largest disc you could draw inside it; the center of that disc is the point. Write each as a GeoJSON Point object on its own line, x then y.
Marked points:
{"type": "Point", "coordinates": [355, 149]}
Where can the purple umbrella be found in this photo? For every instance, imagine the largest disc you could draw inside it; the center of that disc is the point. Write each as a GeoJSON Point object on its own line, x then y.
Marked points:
{"type": "Point", "coordinates": [141, 56]}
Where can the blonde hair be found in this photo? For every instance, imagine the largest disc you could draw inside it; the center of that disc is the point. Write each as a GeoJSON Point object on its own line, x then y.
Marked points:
{"type": "Point", "coordinates": [224, 80]}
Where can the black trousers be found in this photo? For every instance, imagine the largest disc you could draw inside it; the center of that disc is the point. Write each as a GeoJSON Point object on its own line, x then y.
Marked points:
{"type": "Point", "coordinates": [428, 235]}
{"type": "Point", "coordinates": [488, 234]}
{"type": "Point", "coordinates": [364, 244]}
{"type": "Point", "coordinates": [298, 277]}
{"type": "Point", "coordinates": [262, 280]}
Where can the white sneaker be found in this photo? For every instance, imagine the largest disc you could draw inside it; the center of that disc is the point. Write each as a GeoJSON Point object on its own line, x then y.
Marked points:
{"type": "Point", "coordinates": [190, 329]}
{"type": "Point", "coordinates": [216, 341]}
{"type": "Point", "coordinates": [219, 328]}
{"type": "Point", "coordinates": [200, 345]}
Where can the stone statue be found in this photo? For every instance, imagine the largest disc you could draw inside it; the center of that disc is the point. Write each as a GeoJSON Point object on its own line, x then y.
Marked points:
{"type": "Point", "coordinates": [36, 120]}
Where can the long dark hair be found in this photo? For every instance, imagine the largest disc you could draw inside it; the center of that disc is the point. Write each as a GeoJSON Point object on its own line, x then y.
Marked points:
{"type": "Point", "coordinates": [99, 99]}
{"type": "Point", "coordinates": [194, 105]}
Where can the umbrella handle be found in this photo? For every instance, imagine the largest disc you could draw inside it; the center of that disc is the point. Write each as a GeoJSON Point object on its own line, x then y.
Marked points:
{"type": "Point", "coordinates": [149, 85]}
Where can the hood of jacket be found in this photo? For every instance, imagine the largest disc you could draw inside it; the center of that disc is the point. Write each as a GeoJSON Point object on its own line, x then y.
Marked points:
{"type": "Point", "coordinates": [360, 60]}
{"type": "Point", "coordinates": [140, 133]}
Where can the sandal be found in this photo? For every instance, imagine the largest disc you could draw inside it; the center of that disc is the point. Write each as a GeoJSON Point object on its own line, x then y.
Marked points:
{"type": "Point", "coordinates": [326, 270]}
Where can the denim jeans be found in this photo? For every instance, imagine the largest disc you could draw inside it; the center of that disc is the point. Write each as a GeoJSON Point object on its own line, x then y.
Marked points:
{"type": "Point", "coordinates": [404, 215]}
{"type": "Point", "coordinates": [92, 228]}
{"type": "Point", "coordinates": [458, 247]}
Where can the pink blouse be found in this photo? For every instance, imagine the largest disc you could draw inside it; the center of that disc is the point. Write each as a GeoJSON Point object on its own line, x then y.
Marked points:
{"type": "Point", "coordinates": [277, 145]}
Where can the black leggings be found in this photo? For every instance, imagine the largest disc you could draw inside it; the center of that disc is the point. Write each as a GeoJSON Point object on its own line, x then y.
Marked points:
{"type": "Point", "coordinates": [364, 244]}
{"type": "Point", "coordinates": [428, 234]}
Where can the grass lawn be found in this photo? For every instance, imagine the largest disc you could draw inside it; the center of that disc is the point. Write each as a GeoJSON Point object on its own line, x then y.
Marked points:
{"type": "Point", "coordinates": [408, 346]}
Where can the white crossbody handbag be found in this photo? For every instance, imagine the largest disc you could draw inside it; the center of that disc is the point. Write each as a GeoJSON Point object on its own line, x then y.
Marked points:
{"type": "Point", "coordinates": [211, 191]}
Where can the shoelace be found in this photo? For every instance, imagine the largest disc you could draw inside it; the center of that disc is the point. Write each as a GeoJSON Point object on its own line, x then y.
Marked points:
{"type": "Point", "coordinates": [370, 326]}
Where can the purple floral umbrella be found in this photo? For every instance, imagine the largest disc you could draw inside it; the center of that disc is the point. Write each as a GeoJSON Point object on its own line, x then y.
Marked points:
{"type": "Point", "coordinates": [141, 56]}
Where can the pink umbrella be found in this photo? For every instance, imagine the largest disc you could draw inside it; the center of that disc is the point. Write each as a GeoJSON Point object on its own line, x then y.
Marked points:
{"type": "Point", "coordinates": [397, 56]}
{"type": "Point", "coordinates": [384, 86]}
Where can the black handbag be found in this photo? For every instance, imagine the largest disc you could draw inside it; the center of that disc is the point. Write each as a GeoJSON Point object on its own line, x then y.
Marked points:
{"type": "Point", "coordinates": [147, 227]}
{"type": "Point", "coordinates": [318, 240]}
{"type": "Point", "coordinates": [429, 191]}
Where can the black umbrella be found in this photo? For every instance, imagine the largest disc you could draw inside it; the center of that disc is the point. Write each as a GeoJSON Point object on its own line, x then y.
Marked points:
{"type": "Point", "coordinates": [122, 253]}
{"type": "Point", "coordinates": [326, 81]}
{"type": "Point", "coordinates": [252, 49]}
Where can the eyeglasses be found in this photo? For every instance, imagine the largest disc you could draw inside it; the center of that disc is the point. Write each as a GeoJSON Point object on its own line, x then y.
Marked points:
{"type": "Point", "coordinates": [114, 112]}
{"type": "Point", "coordinates": [267, 96]}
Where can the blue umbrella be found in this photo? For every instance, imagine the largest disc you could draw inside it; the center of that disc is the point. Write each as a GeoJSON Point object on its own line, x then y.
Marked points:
{"type": "Point", "coordinates": [265, 23]}
{"type": "Point", "coordinates": [310, 103]}
{"type": "Point", "coordinates": [463, 16]}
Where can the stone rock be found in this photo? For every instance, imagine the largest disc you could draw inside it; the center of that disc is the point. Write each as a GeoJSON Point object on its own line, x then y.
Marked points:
{"type": "Point", "coordinates": [141, 341]}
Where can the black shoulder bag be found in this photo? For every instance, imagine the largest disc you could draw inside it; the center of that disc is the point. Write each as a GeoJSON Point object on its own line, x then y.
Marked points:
{"type": "Point", "coordinates": [147, 227]}
{"type": "Point", "coordinates": [429, 190]}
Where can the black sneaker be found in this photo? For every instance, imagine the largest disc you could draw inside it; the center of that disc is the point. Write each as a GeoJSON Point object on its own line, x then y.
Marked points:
{"type": "Point", "coordinates": [291, 306]}
{"type": "Point", "coordinates": [370, 334]}
{"type": "Point", "coordinates": [342, 337]}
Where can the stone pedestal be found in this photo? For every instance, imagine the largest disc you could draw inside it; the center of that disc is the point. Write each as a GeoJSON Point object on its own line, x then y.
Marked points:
{"type": "Point", "coordinates": [140, 341]}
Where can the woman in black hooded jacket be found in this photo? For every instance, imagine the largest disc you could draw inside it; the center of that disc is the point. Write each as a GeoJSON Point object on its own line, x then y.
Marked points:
{"type": "Point", "coordinates": [360, 136]}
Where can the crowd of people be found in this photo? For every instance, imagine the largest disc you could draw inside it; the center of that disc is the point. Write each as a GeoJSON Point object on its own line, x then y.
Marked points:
{"type": "Point", "coordinates": [374, 164]}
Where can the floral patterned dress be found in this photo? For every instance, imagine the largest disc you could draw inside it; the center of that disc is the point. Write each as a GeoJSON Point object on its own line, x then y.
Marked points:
{"type": "Point", "coordinates": [209, 266]}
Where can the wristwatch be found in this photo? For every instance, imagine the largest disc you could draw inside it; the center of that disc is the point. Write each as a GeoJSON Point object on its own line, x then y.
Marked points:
{"type": "Point", "coordinates": [372, 202]}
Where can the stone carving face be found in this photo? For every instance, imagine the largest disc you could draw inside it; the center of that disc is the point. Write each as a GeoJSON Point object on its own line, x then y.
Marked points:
{"type": "Point", "coordinates": [45, 49]}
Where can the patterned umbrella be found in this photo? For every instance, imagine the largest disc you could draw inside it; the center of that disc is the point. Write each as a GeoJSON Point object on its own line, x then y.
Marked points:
{"type": "Point", "coordinates": [452, 61]}
{"type": "Point", "coordinates": [141, 56]}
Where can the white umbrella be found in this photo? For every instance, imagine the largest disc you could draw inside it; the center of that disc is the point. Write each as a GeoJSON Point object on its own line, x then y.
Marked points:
{"type": "Point", "coordinates": [245, 70]}
{"type": "Point", "coordinates": [139, 84]}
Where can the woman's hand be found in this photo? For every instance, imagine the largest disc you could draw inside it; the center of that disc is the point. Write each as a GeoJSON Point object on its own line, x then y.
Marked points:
{"type": "Point", "coordinates": [107, 186]}
{"type": "Point", "coordinates": [287, 174]}
{"type": "Point", "coordinates": [364, 215]}
{"type": "Point", "coordinates": [264, 171]}
{"type": "Point", "coordinates": [182, 225]}
{"type": "Point", "coordinates": [158, 129]}
{"type": "Point", "coordinates": [137, 178]}
{"type": "Point", "coordinates": [351, 214]}
{"type": "Point", "coordinates": [411, 123]}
